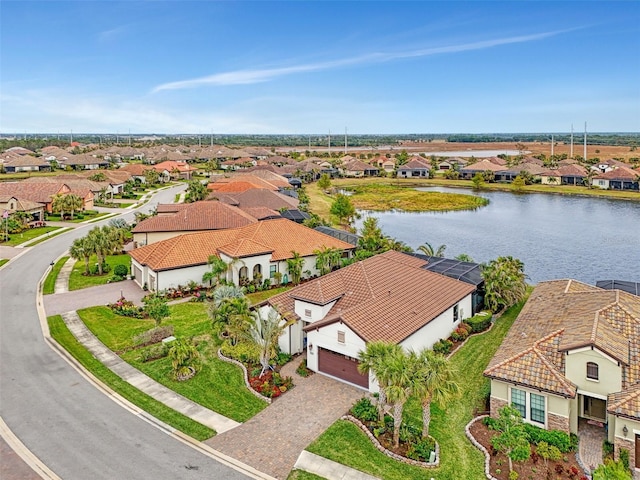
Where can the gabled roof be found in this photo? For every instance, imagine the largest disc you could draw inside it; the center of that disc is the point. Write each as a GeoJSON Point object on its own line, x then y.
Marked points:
{"type": "Point", "coordinates": [571, 170]}
{"type": "Point", "coordinates": [36, 192]}
{"type": "Point", "coordinates": [358, 166]}
{"type": "Point", "coordinates": [484, 165]}
{"type": "Point", "coordinates": [196, 216]}
{"type": "Point", "coordinates": [281, 235]}
{"type": "Point", "coordinates": [416, 163]}
{"type": "Point", "coordinates": [576, 315]}
{"type": "Point", "coordinates": [257, 197]}
{"type": "Point", "coordinates": [625, 403]}
{"type": "Point", "coordinates": [26, 161]}
{"type": "Point", "coordinates": [619, 173]}
{"type": "Point", "coordinates": [385, 297]}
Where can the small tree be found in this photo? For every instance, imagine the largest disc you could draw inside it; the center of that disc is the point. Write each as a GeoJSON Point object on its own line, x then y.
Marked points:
{"type": "Point", "coordinates": [505, 282]}
{"type": "Point", "coordinates": [518, 184]}
{"type": "Point", "coordinates": [324, 182]}
{"type": "Point", "coordinates": [611, 470]}
{"type": "Point", "coordinates": [196, 191]}
{"type": "Point", "coordinates": [343, 208]}
{"type": "Point", "coordinates": [512, 441]}
{"type": "Point", "coordinates": [217, 267]}
{"type": "Point", "coordinates": [478, 181]}
{"type": "Point", "coordinates": [82, 249]}
{"type": "Point", "coordinates": [157, 308]}
{"type": "Point", "coordinates": [548, 452]}
{"type": "Point", "coordinates": [294, 265]}
{"type": "Point", "coordinates": [264, 333]}
{"type": "Point", "coordinates": [185, 359]}
{"type": "Point", "coordinates": [428, 250]}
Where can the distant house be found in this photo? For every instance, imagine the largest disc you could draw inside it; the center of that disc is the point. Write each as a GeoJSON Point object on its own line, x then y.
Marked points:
{"type": "Point", "coordinates": [191, 217]}
{"type": "Point", "coordinates": [617, 178]}
{"type": "Point", "coordinates": [44, 193]}
{"type": "Point", "coordinates": [452, 163]}
{"type": "Point", "coordinates": [82, 162]}
{"type": "Point", "coordinates": [571, 357]}
{"type": "Point", "coordinates": [357, 168]}
{"type": "Point", "coordinates": [26, 163]}
{"type": "Point", "coordinates": [255, 252]}
{"type": "Point", "coordinates": [13, 204]}
{"type": "Point", "coordinates": [177, 169]}
{"type": "Point", "coordinates": [414, 168]}
{"type": "Point", "coordinates": [388, 297]}
{"type": "Point", "coordinates": [257, 197]}
{"type": "Point", "coordinates": [572, 174]}
{"type": "Point", "coordinates": [482, 166]}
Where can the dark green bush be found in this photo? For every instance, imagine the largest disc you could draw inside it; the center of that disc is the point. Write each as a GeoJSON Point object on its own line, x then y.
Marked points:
{"type": "Point", "coordinates": [121, 270]}
{"type": "Point", "coordinates": [479, 322]}
{"type": "Point", "coordinates": [559, 439]}
{"type": "Point", "coordinates": [364, 410]}
{"type": "Point", "coordinates": [421, 450]}
{"type": "Point", "coordinates": [443, 346]}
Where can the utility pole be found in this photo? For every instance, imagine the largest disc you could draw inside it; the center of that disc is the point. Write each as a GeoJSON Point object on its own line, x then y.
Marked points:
{"type": "Point", "coordinates": [552, 144]}
{"type": "Point", "coordinates": [585, 142]}
{"type": "Point", "coordinates": [345, 140]}
{"type": "Point", "coordinates": [71, 137]}
{"type": "Point", "coordinates": [329, 142]}
{"type": "Point", "coordinates": [571, 152]}
{"type": "Point", "coordinates": [129, 137]}
{"type": "Point", "coordinates": [211, 138]}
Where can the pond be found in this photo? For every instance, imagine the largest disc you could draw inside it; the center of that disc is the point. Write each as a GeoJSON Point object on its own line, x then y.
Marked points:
{"type": "Point", "coordinates": [556, 236]}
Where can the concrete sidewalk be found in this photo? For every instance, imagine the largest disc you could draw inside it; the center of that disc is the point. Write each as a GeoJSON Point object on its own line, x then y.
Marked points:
{"type": "Point", "coordinates": [323, 467]}
{"type": "Point", "coordinates": [89, 297]}
{"type": "Point", "coordinates": [139, 380]}
{"type": "Point", "coordinates": [62, 281]}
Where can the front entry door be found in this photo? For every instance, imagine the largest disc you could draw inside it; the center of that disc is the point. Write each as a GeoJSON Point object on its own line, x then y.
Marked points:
{"type": "Point", "coordinates": [637, 451]}
{"type": "Point", "coordinates": [595, 408]}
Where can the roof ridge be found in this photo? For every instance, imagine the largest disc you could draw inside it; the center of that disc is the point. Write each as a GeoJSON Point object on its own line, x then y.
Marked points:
{"type": "Point", "coordinates": [510, 359]}
{"type": "Point", "coordinates": [559, 376]}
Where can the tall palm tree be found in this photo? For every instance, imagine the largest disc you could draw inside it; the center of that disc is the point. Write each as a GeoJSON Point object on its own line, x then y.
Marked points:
{"type": "Point", "coordinates": [433, 380]}
{"type": "Point", "coordinates": [294, 265]}
{"type": "Point", "coordinates": [264, 333]}
{"type": "Point", "coordinates": [82, 249]}
{"type": "Point", "coordinates": [72, 203]}
{"type": "Point", "coordinates": [229, 311]}
{"type": "Point", "coordinates": [373, 360]}
{"type": "Point", "coordinates": [428, 250]}
{"type": "Point", "coordinates": [58, 204]}
{"type": "Point", "coordinates": [398, 370]}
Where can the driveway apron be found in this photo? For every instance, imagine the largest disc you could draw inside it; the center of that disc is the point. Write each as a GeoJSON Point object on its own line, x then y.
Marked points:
{"type": "Point", "coordinates": [272, 440]}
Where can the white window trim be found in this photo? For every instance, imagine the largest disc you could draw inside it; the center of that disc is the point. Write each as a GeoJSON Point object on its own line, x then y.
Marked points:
{"type": "Point", "coordinates": [527, 406]}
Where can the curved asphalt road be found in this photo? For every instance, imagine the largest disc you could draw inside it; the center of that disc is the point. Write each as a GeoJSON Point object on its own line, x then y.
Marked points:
{"type": "Point", "coordinates": [71, 426]}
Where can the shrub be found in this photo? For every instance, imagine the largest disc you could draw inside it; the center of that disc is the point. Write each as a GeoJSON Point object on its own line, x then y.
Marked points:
{"type": "Point", "coordinates": [155, 335]}
{"type": "Point", "coordinates": [513, 475]}
{"type": "Point", "coordinates": [154, 353]}
{"type": "Point", "coordinates": [364, 410]}
{"type": "Point", "coordinates": [303, 370]}
{"type": "Point", "coordinates": [282, 358]}
{"type": "Point", "coordinates": [421, 450]}
{"type": "Point", "coordinates": [409, 433]}
{"type": "Point", "coordinates": [479, 322]}
{"type": "Point", "coordinates": [126, 308]}
{"type": "Point", "coordinates": [443, 346]}
{"type": "Point", "coordinates": [607, 449]}
{"type": "Point", "coordinates": [557, 438]}
{"type": "Point", "coordinates": [624, 458]}
{"type": "Point", "coordinates": [121, 270]}
{"type": "Point", "coordinates": [244, 352]}
{"type": "Point", "coordinates": [491, 423]}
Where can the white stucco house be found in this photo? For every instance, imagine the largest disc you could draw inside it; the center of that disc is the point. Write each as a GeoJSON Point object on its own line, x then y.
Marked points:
{"type": "Point", "coordinates": [571, 357]}
{"type": "Point", "coordinates": [253, 252]}
{"type": "Point", "coordinates": [387, 297]}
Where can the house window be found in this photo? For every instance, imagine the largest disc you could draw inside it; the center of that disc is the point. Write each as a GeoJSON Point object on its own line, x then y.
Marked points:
{"type": "Point", "coordinates": [592, 371]}
{"type": "Point", "coordinates": [519, 401]}
{"type": "Point", "coordinates": [456, 313]}
{"type": "Point", "coordinates": [307, 312]}
{"type": "Point", "coordinates": [272, 271]}
{"type": "Point", "coordinates": [537, 408]}
{"type": "Point", "coordinates": [340, 336]}
{"type": "Point", "coordinates": [244, 272]}
{"type": "Point", "coordinates": [257, 271]}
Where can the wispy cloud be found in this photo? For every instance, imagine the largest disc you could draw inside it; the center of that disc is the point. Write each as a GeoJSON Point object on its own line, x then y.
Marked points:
{"type": "Point", "coordinates": [113, 33]}
{"type": "Point", "coordinates": [245, 77]}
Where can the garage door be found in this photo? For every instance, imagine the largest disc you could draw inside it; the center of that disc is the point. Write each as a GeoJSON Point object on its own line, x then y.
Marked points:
{"type": "Point", "coordinates": [341, 366]}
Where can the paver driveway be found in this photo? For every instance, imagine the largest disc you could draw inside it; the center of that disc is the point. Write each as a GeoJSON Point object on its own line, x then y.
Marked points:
{"type": "Point", "coordinates": [272, 440]}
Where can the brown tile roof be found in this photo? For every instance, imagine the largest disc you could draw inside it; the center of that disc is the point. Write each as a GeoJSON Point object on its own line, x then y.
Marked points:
{"type": "Point", "coordinates": [385, 297]}
{"type": "Point", "coordinates": [261, 213]}
{"type": "Point", "coordinates": [36, 192]}
{"type": "Point", "coordinates": [26, 161]}
{"type": "Point", "coordinates": [571, 170]}
{"type": "Point", "coordinates": [137, 169]}
{"type": "Point", "coordinates": [281, 235]}
{"type": "Point", "coordinates": [563, 315]}
{"type": "Point", "coordinates": [196, 216]}
{"type": "Point", "coordinates": [619, 173]}
{"type": "Point", "coordinates": [258, 197]}
{"type": "Point", "coordinates": [232, 187]}
{"type": "Point", "coordinates": [484, 165]}
{"type": "Point", "coordinates": [625, 403]}
{"type": "Point", "coordinates": [415, 163]}
{"type": "Point", "coordinates": [171, 165]}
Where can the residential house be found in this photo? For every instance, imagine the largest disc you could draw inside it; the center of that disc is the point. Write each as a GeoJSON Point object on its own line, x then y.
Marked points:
{"type": "Point", "coordinates": [573, 356]}
{"type": "Point", "coordinates": [13, 204]}
{"type": "Point", "coordinates": [482, 166]}
{"type": "Point", "coordinates": [388, 165]}
{"type": "Point", "coordinates": [43, 193]}
{"type": "Point", "coordinates": [572, 174]}
{"type": "Point", "coordinates": [177, 169]}
{"type": "Point", "coordinates": [357, 168]}
{"type": "Point", "coordinates": [452, 163]}
{"type": "Point", "coordinates": [617, 178]}
{"type": "Point", "coordinates": [416, 167]}
{"type": "Point", "coordinates": [254, 252]}
{"type": "Point", "coordinates": [388, 297]}
{"type": "Point", "coordinates": [82, 162]}
{"type": "Point", "coordinates": [26, 163]}
{"type": "Point", "coordinates": [257, 197]}
{"type": "Point", "coordinates": [192, 217]}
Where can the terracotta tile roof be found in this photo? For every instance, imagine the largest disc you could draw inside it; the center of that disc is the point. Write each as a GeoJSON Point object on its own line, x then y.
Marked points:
{"type": "Point", "coordinates": [171, 165]}
{"type": "Point", "coordinates": [136, 169]}
{"type": "Point", "coordinates": [244, 247]}
{"type": "Point", "coordinates": [261, 213]}
{"type": "Point", "coordinates": [619, 173]}
{"type": "Point", "coordinates": [571, 170]}
{"type": "Point", "coordinates": [196, 216]}
{"type": "Point", "coordinates": [625, 403]}
{"type": "Point", "coordinates": [36, 192]}
{"type": "Point", "coordinates": [258, 197]}
{"type": "Point", "coordinates": [564, 315]}
{"type": "Point", "coordinates": [281, 235]}
{"type": "Point", "coordinates": [385, 297]}
{"type": "Point", "coordinates": [414, 164]}
{"type": "Point", "coordinates": [484, 165]}
{"type": "Point", "coordinates": [232, 187]}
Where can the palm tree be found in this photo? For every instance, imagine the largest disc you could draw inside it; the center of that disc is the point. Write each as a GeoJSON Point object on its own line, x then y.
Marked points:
{"type": "Point", "coordinates": [294, 265]}
{"type": "Point", "coordinates": [504, 281]}
{"type": "Point", "coordinates": [264, 333]}
{"type": "Point", "coordinates": [398, 370]}
{"type": "Point", "coordinates": [82, 249]}
{"type": "Point", "coordinates": [428, 250]}
{"type": "Point", "coordinates": [217, 266]}
{"type": "Point", "coordinates": [229, 311]}
{"type": "Point", "coordinates": [58, 205]}
{"type": "Point", "coordinates": [72, 203]}
{"type": "Point", "coordinates": [433, 380]}
{"type": "Point", "coordinates": [373, 360]}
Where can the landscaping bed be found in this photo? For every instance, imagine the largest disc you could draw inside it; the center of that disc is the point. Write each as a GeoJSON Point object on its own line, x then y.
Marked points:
{"type": "Point", "coordinates": [533, 468]}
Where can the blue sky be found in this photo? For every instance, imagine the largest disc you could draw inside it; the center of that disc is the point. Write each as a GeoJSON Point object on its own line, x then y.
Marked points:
{"type": "Point", "coordinates": [313, 67]}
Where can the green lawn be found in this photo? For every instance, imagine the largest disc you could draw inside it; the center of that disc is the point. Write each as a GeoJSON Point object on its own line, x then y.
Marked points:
{"type": "Point", "coordinates": [65, 338]}
{"type": "Point", "coordinates": [30, 234]}
{"type": "Point", "coordinates": [302, 475]}
{"type": "Point", "coordinates": [343, 442]}
{"type": "Point", "coordinates": [78, 280]}
{"type": "Point", "coordinates": [3, 261]}
{"type": "Point", "coordinates": [49, 235]}
{"type": "Point", "coordinates": [218, 386]}
{"type": "Point", "coordinates": [78, 217]}
{"type": "Point", "coordinates": [50, 282]}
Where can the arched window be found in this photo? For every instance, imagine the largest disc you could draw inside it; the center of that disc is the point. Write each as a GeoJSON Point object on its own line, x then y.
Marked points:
{"type": "Point", "coordinates": [257, 271]}
{"type": "Point", "coordinates": [244, 272]}
{"type": "Point", "coordinates": [592, 371]}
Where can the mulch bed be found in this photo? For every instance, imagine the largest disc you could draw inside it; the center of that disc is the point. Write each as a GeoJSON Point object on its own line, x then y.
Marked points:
{"type": "Point", "coordinates": [532, 469]}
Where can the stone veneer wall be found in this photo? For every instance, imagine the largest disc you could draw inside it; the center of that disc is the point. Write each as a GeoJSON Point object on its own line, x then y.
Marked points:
{"type": "Point", "coordinates": [627, 444]}
{"type": "Point", "coordinates": [495, 404]}
{"type": "Point", "coordinates": [557, 422]}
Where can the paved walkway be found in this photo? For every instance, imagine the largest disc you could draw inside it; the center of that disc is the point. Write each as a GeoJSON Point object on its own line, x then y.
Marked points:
{"type": "Point", "coordinates": [139, 380]}
{"type": "Point", "coordinates": [62, 281]}
{"type": "Point", "coordinates": [88, 297]}
{"type": "Point", "coordinates": [325, 468]}
{"type": "Point", "coordinates": [273, 440]}
{"type": "Point", "coordinates": [590, 445]}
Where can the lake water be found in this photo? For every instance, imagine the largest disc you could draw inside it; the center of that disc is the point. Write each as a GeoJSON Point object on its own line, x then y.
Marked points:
{"type": "Point", "coordinates": [556, 236]}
